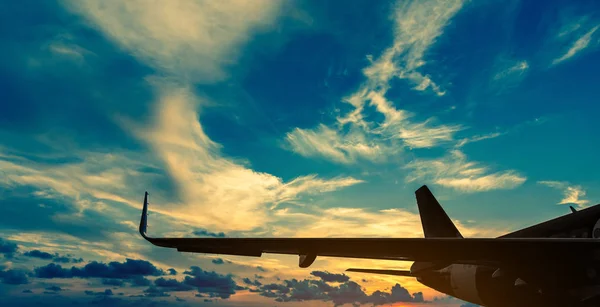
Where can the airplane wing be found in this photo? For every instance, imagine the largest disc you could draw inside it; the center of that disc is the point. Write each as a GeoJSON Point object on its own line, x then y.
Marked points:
{"type": "Point", "coordinates": [502, 251]}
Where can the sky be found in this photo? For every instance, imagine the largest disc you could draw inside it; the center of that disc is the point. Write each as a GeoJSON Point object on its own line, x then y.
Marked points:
{"type": "Point", "coordinates": [268, 118]}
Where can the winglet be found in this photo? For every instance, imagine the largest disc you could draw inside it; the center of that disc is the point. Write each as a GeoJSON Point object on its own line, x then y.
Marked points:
{"type": "Point", "coordinates": [144, 219]}
{"type": "Point", "coordinates": [435, 221]}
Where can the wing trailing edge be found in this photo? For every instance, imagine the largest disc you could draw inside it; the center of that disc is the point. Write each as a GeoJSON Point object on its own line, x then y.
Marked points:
{"type": "Point", "coordinates": [383, 272]}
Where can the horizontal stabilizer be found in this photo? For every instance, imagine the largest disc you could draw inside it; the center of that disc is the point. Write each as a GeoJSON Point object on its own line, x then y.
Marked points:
{"type": "Point", "coordinates": [383, 272]}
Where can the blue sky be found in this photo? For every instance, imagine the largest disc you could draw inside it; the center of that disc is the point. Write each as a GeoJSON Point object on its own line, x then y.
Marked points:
{"type": "Point", "coordinates": [279, 118]}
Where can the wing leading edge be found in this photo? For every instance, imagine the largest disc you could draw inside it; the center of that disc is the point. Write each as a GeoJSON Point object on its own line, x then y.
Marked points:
{"type": "Point", "coordinates": [451, 250]}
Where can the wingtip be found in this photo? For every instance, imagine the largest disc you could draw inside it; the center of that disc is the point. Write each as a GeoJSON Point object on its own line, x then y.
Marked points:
{"type": "Point", "coordinates": [144, 217]}
{"type": "Point", "coordinates": [423, 188]}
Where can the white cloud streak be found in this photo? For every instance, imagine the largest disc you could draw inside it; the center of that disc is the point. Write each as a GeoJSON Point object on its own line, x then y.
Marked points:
{"type": "Point", "coordinates": [515, 70]}
{"type": "Point", "coordinates": [194, 40]}
{"type": "Point", "coordinates": [577, 46]}
{"type": "Point", "coordinates": [217, 192]}
{"type": "Point", "coordinates": [454, 171]}
{"type": "Point", "coordinates": [477, 138]}
{"type": "Point", "coordinates": [572, 194]}
{"type": "Point", "coordinates": [418, 25]}
{"type": "Point", "coordinates": [334, 145]}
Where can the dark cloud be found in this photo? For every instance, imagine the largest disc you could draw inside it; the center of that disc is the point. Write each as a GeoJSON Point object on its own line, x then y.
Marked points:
{"type": "Point", "coordinates": [106, 292]}
{"type": "Point", "coordinates": [172, 285]}
{"type": "Point", "coordinates": [261, 269]}
{"type": "Point", "coordinates": [179, 299]}
{"type": "Point", "coordinates": [7, 248]}
{"type": "Point", "coordinates": [140, 281]}
{"type": "Point", "coordinates": [55, 257]}
{"type": "Point", "coordinates": [113, 282]}
{"type": "Point", "coordinates": [14, 277]}
{"type": "Point", "coordinates": [155, 292]}
{"type": "Point", "coordinates": [258, 276]}
{"type": "Point", "coordinates": [206, 233]}
{"type": "Point", "coordinates": [247, 281]}
{"type": "Point", "coordinates": [126, 270]}
{"type": "Point", "coordinates": [329, 277]}
{"type": "Point", "coordinates": [67, 259]}
{"type": "Point", "coordinates": [52, 271]}
{"type": "Point", "coordinates": [212, 283]}
{"type": "Point", "coordinates": [27, 291]}
{"type": "Point", "coordinates": [38, 254]}
{"type": "Point", "coordinates": [54, 288]}
{"type": "Point", "coordinates": [172, 271]}
{"type": "Point", "coordinates": [218, 261]}
{"type": "Point", "coordinates": [347, 292]}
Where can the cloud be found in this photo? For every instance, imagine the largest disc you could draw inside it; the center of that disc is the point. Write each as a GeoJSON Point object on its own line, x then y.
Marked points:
{"type": "Point", "coordinates": [206, 233]}
{"type": "Point", "coordinates": [7, 248]}
{"type": "Point", "coordinates": [572, 194]}
{"type": "Point", "coordinates": [248, 281]}
{"type": "Point", "coordinates": [454, 171]}
{"type": "Point", "coordinates": [218, 261]}
{"type": "Point", "coordinates": [334, 145]}
{"type": "Point", "coordinates": [121, 270]}
{"type": "Point", "coordinates": [212, 283]}
{"type": "Point", "coordinates": [217, 192]}
{"type": "Point", "coordinates": [577, 46]}
{"type": "Point", "coordinates": [106, 292]}
{"type": "Point", "coordinates": [54, 288]}
{"type": "Point", "coordinates": [329, 277]}
{"type": "Point", "coordinates": [348, 222]}
{"type": "Point", "coordinates": [14, 277]}
{"type": "Point", "coordinates": [171, 285]}
{"type": "Point", "coordinates": [155, 292]}
{"type": "Point", "coordinates": [113, 282]}
{"type": "Point", "coordinates": [348, 292]}
{"type": "Point", "coordinates": [418, 25]}
{"type": "Point", "coordinates": [38, 254]}
{"type": "Point", "coordinates": [194, 40]}
{"type": "Point", "coordinates": [66, 259]}
{"type": "Point", "coordinates": [477, 138]}
{"type": "Point", "coordinates": [515, 70]}
{"type": "Point", "coordinates": [413, 134]}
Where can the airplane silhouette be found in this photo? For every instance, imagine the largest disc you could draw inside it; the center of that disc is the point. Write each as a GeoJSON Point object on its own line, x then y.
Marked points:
{"type": "Point", "coordinates": [554, 263]}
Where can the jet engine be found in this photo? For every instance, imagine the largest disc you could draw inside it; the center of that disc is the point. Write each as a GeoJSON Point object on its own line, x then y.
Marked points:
{"type": "Point", "coordinates": [596, 230]}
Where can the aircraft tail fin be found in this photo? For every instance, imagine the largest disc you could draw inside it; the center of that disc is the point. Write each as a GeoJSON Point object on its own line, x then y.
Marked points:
{"type": "Point", "coordinates": [435, 221]}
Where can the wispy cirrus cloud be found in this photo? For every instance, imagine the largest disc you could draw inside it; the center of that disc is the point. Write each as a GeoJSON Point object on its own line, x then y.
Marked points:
{"type": "Point", "coordinates": [335, 145]}
{"type": "Point", "coordinates": [194, 40]}
{"type": "Point", "coordinates": [216, 191]}
{"type": "Point", "coordinates": [478, 138]}
{"type": "Point", "coordinates": [578, 34]}
{"type": "Point", "coordinates": [454, 171]}
{"type": "Point", "coordinates": [572, 194]}
{"type": "Point", "coordinates": [579, 45]}
{"type": "Point", "coordinates": [511, 69]}
{"type": "Point", "coordinates": [417, 26]}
